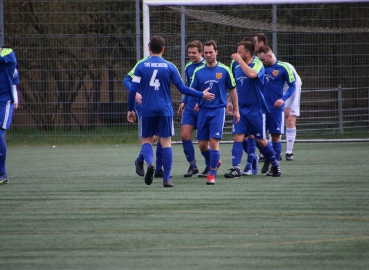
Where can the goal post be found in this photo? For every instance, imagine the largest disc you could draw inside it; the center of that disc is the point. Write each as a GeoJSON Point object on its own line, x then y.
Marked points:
{"type": "Point", "coordinates": [326, 41]}
{"type": "Point", "coordinates": [148, 3]}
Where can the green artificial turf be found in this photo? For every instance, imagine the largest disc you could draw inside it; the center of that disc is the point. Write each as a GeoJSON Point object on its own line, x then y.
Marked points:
{"type": "Point", "coordinates": [83, 207]}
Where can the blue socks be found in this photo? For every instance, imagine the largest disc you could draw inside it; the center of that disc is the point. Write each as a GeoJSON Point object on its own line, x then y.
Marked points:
{"type": "Point", "coordinates": [237, 151]}
{"type": "Point", "coordinates": [189, 151]}
{"type": "Point", "coordinates": [2, 153]}
{"type": "Point", "coordinates": [269, 154]}
{"type": "Point", "coordinates": [214, 160]}
{"type": "Point", "coordinates": [140, 157]}
{"type": "Point", "coordinates": [245, 145]}
{"type": "Point", "coordinates": [250, 152]}
{"type": "Point", "coordinates": [148, 153]}
{"type": "Point", "coordinates": [167, 154]}
{"type": "Point", "coordinates": [206, 155]}
{"type": "Point", "coordinates": [277, 146]}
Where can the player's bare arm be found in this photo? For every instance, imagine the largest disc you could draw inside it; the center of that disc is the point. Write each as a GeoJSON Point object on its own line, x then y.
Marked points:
{"type": "Point", "coordinates": [234, 97]}
{"type": "Point", "coordinates": [181, 108]}
{"type": "Point", "coordinates": [278, 103]}
{"type": "Point", "coordinates": [131, 116]}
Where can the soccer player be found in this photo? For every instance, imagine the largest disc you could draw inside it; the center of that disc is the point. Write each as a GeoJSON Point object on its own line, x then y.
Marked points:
{"type": "Point", "coordinates": [249, 76]}
{"type": "Point", "coordinates": [139, 162]}
{"type": "Point", "coordinates": [277, 74]}
{"type": "Point", "coordinates": [211, 117]}
{"type": "Point", "coordinates": [152, 79]}
{"type": "Point", "coordinates": [187, 107]}
{"type": "Point", "coordinates": [292, 111]}
{"type": "Point", "coordinates": [249, 144]}
{"type": "Point", "coordinates": [260, 40]}
{"type": "Point", "coordinates": [8, 79]}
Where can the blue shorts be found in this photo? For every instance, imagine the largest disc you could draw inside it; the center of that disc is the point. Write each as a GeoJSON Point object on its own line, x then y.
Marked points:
{"type": "Point", "coordinates": [189, 117]}
{"type": "Point", "coordinates": [210, 123]}
{"type": "Point", "coordinates": [161, 126]}
{"type": "Point", "coordinates": [6, 114]}
{"type": "Point", "coordinates": [251, 124]}
{"type": "Point", "coordinates": [275, 121]}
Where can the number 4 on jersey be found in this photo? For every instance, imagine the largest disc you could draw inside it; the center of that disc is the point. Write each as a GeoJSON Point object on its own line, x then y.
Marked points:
{"type": "Point", "coordinates": [155, 82]}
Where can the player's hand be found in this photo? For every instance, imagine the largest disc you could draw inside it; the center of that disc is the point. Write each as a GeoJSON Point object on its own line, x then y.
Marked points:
{"type": "Point", "coordinates": [236, 116]}
{"type": "Point", "coordinates": [180, 108]}
{"type": "Point", "coordinates": [236, 57]}
{"type": "Point", "coordinates": [196, 108]}
{"type": "Point", "coordinates": [138, 98]}
{"type": "Point", "coordinates": [208, 96]}
{"type": "Point", "coordinates": [229, 108]}
{"type": "Point", "coordinates": [16, 105]}
{"type": "Point", "coordinates": [278, 103]}
{"type": "Point", "coordinates": [131, 116]}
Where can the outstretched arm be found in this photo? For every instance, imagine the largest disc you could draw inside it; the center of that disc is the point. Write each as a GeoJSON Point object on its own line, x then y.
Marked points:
{"type": "Point", "coordinates": [191, 92]}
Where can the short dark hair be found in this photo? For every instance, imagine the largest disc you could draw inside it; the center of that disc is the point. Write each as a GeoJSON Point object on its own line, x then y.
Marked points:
{"type": "Point", "coordinates": [248, 45]}
{"type": "Point", "coordinates": [211, 43]}
{"type": "Point", "coordinates": [195, 43]}
{"type": "Point", "coordinates": [262, 37]}
{"type": "Point", "coordinates": [6, 46]}
{"type": "Point", "coordinates": [157, 44]}
{"type": "Point", "coordinates": [265, 49]}
{"type": "Point", "coordinates": [252, 40]}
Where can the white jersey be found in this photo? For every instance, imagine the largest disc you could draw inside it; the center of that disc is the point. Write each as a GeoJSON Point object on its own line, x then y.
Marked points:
{"type": "Point", "coordinates": [293, 102]}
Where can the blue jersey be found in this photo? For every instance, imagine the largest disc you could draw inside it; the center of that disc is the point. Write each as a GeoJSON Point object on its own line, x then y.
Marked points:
{"type": "Point", "coordinates": [233, 66]}
{"type": "Point", "coordinates": [15, 79]}
{"type": "Point", "coordinates": [218, 78]}
{"type": "Point", "coordinates": [249, 91]}
{"type": "Point", "coordinates": [152, 78]}
{"type": "Point", "coordinates": [189, 70]}
{"type": "Point", "coordinates": [275, 78]}
{"type": "Point", "coordinates": [128, 82]}
{"type": "Point", "coordinates": [8, 63]}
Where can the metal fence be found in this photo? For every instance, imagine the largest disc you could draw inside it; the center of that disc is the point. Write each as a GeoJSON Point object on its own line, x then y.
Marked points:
{"type": "Point", "coordinates": [74, 55]}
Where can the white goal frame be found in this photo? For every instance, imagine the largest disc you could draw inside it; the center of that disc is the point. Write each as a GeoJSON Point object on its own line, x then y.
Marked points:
{"type": "Point", "coordinates": [147, 3]}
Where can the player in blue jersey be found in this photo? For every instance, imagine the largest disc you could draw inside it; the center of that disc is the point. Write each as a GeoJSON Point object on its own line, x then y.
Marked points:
{"type": "Point", "coordinates": [260, 39]}
{"type": "Point", "coordinates": [249, 144]}
{"type": "Point", "coordinates": [15, 82]}
{"type": "Point", "coordinates": [152, 79]}
{"type": "Point", "coordinates": [187, 108]}
{"type": "Point", "coordinates": [139, 162]}
{"type": "Point", "coordinates": [8, 78]}
{"type": "Point", "coordinates": [211, 117]}
{"type": "Point", "coordinates": [292, 111]}
{"type": "Point", "coordinates": [249, 76]}
{"type": "Point", "coordinates": [277, 74]}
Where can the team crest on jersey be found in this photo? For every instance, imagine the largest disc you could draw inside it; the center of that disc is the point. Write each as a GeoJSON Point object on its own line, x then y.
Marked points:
{"type": "Point", "coordinates": [275, 73]}
{"type": "Point", "coordinates": [219, 75]}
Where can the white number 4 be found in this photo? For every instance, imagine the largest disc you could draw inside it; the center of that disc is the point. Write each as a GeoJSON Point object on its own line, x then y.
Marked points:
{"type": "Point", "coordinates": [155, 82]}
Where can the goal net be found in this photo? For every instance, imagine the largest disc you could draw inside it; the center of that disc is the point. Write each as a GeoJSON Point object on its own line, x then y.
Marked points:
{"type": "Point", "coordinates": [326, 41]}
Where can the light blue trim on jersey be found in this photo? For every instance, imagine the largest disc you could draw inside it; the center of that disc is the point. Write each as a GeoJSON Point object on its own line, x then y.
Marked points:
{"type": "Point", "coordinates": [196, 69]}
{"type": "Point", "coordinates": [230, 74]}
{"type": "Point", "coordinates": [7, 116]}
{"type": "Point", "coordinates": [132, 72]}
{"type": "Point", "coordinates": [258, 65]}
{"type": "Point", "coordinates": [291, 77]}
{"type": "Point", "coordinates": [9, 58]}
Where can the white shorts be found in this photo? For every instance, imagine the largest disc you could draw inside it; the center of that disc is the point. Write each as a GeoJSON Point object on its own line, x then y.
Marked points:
{"type": "Point", "coordinates": [293, 103]}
